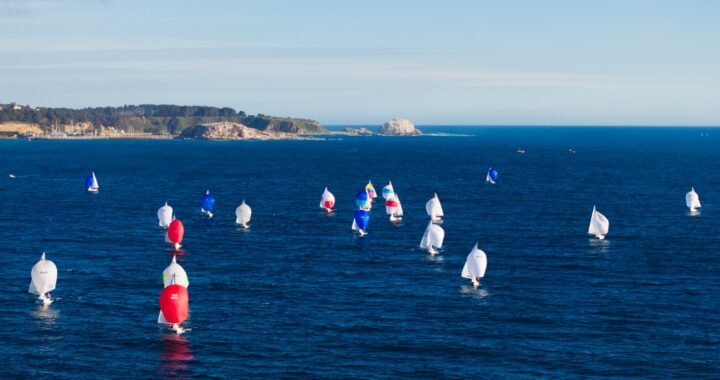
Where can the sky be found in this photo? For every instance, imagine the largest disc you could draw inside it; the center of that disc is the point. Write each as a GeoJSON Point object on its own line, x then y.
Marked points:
{"type": "Point", "coordinates": [481, 62]}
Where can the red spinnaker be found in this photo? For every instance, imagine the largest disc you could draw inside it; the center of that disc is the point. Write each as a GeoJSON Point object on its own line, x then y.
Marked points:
{"type": "Point", "coordinates": [176, 231]}
{"type": "Point", "coordinates": [174, 303]}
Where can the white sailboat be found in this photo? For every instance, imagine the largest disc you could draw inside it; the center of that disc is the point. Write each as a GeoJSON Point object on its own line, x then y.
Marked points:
{"type": "Point", "coordinates": [434, 209]}
{"type": "Point", "coordinates": [432, 238]}
{"type": "Point", "coordinates": [174, 273]}
{"type": "Point", "coordinates": [475, 266]}
{"type": "Point", "coordinates": [599, 225]}
{"type": "Point", "coordinates": [327, 200]}
{"type": "Point", "coordinates": [165, 215]}
{"type": "Point", "coordinates": [692, 200]}
{"type": "Point", "coordinates": [92, 184]}
{"type": "Point", "coordinates": [393, 208]}
{"type": "Point", "coordinates": [43, 279]}
{"type": "Point", "coordinates": [243, 214]}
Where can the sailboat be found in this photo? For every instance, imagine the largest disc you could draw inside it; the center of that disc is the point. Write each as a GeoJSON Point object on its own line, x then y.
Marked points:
{"type": "Point", "coordinates": [432, 238]}
{"type": "Point", "coordinates": [327, 200]}
{"type": "Point", "coordinates": [243, 214]}
{"type": "Point", "coordinates": [361, 220]}
{"type": "Point", "coordinates": [91, 183]}
{"type": "Point", "coordinates": [175, 233]}
{"type": "Point", "coordinates": [475, 266]}
{"type": "Point", "coordinates": [599, 225]}
{"type": "Point", "coordinates": [692, 200]}
{"type": "Point", "coordinates": [388, 191]}
{"type": "Point", "coordinates": [371, 190]}
{"type": "Point", "coordinates": [207, 204]}
{"type": "Point", "coordinates": [164, 215]}
{"type": "Point", "coordinates": [393, 208]}
{"type": "Point", "coordinates": [491, 176]}
{"type": "Point", "coordinates": [362, 200]}
{"type": "Point", "coordinates": [175, 272]}
{"type": "Point", "coordinates": [434, 209]}
{"type": "Point", "coordinates": [43, 279]}
{"type": "Point", "coordinates": [174, 306]}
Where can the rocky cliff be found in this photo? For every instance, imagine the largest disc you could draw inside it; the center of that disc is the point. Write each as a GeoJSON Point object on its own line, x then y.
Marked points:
{"type": "Point", "coordinates": [399, 127]}
{"type": "Point", "coordinates": [232, 131]}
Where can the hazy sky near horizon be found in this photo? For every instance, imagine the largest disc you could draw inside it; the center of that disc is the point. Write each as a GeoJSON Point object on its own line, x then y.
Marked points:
{"type": "Point", "coordinates": [514, 62]}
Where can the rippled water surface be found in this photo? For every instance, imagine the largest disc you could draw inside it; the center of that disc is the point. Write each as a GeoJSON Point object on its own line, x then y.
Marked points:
{"type": "Point", "coordinates": [298, 295]}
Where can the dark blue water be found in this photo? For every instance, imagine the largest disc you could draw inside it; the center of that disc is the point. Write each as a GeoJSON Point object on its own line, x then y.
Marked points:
{"type": "Point", "coordinates": [298, 295]}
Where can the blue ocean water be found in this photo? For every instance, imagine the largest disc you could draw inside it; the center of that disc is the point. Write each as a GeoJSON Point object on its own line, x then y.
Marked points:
{"type": "Point", "coordinates": [299, 295]}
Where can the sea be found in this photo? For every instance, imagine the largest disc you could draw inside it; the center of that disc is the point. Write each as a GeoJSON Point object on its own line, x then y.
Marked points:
{"type": "Point", "coordinates": [301, 295]}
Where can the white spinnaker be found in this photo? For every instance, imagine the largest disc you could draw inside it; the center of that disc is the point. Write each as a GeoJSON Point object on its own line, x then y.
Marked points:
{"type": "Point", "coordinates": [164, 215]}
{"type": "Point", "coordinates": [692, 200]}
{"type": "Point", "coordinates": [434, 208]}
{"type": "Point", "coordinates": [174, 270]}
{"type": "Point", "coordinates": [599, 224]}
{"type": "Point", "coordinates": [243, 213]}
{"type": "Point", "coordinates": [433, 237]}
{"type": "Point", "coordinates": [43, 277]}
{"type": "Point", "coordinates": [475, 264]}
{"type": "Point", "coordinates": [327, 196]}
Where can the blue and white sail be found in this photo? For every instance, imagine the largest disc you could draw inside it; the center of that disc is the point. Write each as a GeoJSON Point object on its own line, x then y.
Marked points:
{"type": "Point", "coordinates": [491, 176]}
{"type": "Point", "coordinates": [388, 191]}
{"type": "Point", "coordinates": [91, 183]}
{"type": "Point", "coordinates": [363, 201]}
{"type": "Point", "coordinates": [361, 221]}
{"type": "Point", "coordinates": [207, 204]}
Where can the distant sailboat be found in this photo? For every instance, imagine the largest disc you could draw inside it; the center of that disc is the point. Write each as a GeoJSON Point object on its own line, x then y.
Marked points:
{"type": "Point", "coordinates": [175, 233]}
{"type": "Point", "coordinates": [432, 238]}
{"type": "Point", "coordinates": [475, 266]}
{"type": "Point", "coordinates": [243, 214]}
{"type": "Point", "coordinates": [11, 175]}
{"type": "Point", "coordinates": [207, 204]}
{"type": "Point", "coordinates": [491, 176]}
{"type": "Point", "coordinates": [361, 220]}
{"type": "Point", "coordinates": [362, 200]}
{"type": "Point", "coordinates": [43, 279]}
{"type": "Point", "coordinates": [174, 306]}
{"type": "Point", "coordinates": [388, 191]}
{"type": "Point", "coordinates": [176, 272]}
{"type": "Point", "coordinates": [599, 225]}
{"type": "Point", "coordinates": [327, 200]}
{"type": "Point", "coordinates": [393, 208]}
{"type": "Point", "coordinates": [371, 190]}
{"type": "Point", "coordinates": [434, 209]}
{"type": "Point", "coordinates": [692, 200]}
{"type": "Point", "coordinates": [91, 183]}
{"type": "Point", "coordinates": [164, 215]}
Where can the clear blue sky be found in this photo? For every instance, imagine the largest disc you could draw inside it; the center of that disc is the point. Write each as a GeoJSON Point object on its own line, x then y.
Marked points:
{"type": "Point", "coordinates": [362, 62]}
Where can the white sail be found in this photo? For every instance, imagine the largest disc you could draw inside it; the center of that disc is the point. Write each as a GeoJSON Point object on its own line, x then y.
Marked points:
{"type": "Point", "coordinates": [161, 319]}
{"type": "Point", "coordinates": [175, 274]}
{"type": "Point", "coordinates": [475, 264]}
{"type": "Point", "coordinates": [433, 237]}
{"type": "Point", "coordinates": [692, 200]}
{"type": "Point", "coordinates": [355, 226]}
{"type": "Point", "coordinates": [164, 215]}
{"type": "Point", "coordinates": [243, 214]}
{"type": "Point", "coordinates": [599, 225]}
{"type": "Point", "coordinates": [398, 209]}
{"type": "Point", "coordinates": [388, 191]}
{"type": "Point", "coordinates": [95, 186]}
{"type": "Point", "coordinates": [43, 277]}
{"type": "Point", "coordinates": [434, 208]}
{"type": "Point", "coordinates": [327, 196]}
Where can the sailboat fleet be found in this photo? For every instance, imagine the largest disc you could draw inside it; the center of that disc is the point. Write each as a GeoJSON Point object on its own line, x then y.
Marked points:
{"type": "Point", "coordinates": [174, 298]}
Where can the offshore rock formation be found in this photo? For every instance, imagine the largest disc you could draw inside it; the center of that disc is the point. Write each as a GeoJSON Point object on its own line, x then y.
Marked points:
{"type": "Point", "coordinates": [359, 131]}
{"type": "Point", "coordinates": [232, 131]}
{"type": "Point", "coordinates": [399, 127]}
